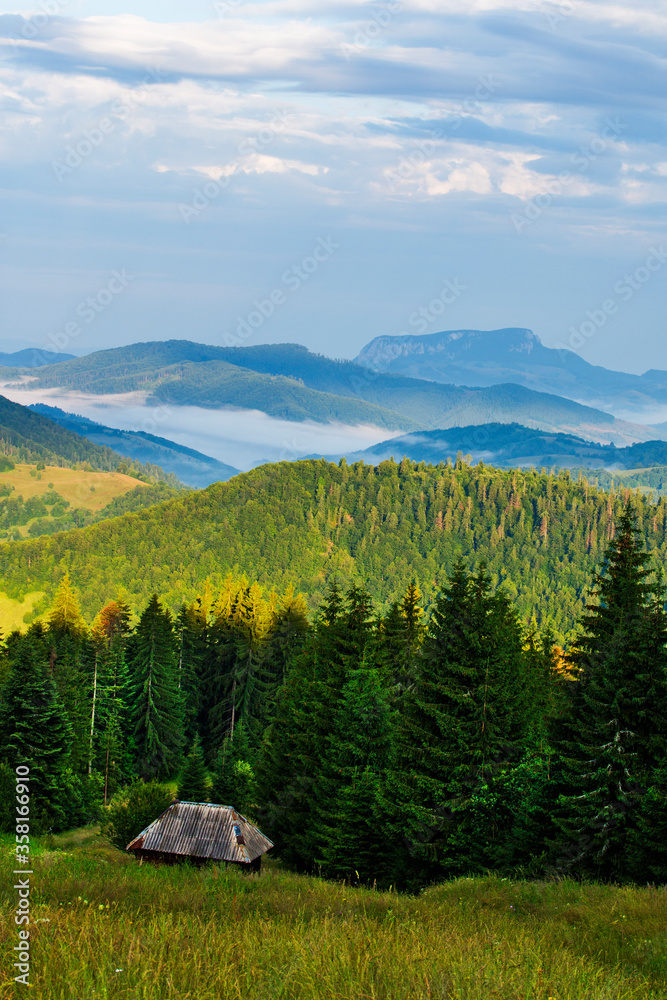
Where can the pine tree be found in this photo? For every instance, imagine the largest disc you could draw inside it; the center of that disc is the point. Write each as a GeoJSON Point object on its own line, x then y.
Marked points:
{"type": "Point", "coordinates": [156, 711]}
{"type": "Point", "coordinates": [400, 635]}
{"type": "Point", "coordinates": [290, 761]}
{"type": "Point", "coordinates": [347, 813]}
{"type": "Point", "coordinates": [465, 721]}
{"type": "Point", "coordinates": [192, 629]}
{"type": "Point", "coordinates": [71, 659]}
{"type": "Point", "coordinates": [111, 738]}
{"type": "Point", "coordinates": [233, 777]}
{"type": "Point", "coordinates": [288, 630]}
{"type": "Point", "coordinates": [616, 739]}
{"type": "Point", "coordinates": [193, 783]}
{"type": "Point", "coordinates": [35, 732]}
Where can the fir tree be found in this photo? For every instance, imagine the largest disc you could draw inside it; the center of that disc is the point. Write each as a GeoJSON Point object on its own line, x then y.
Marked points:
{"type": "Point", "coordinates": [233, 777]}
{"type": "Point", "coordinates": [464, 721]}
{"type": "Point", "coordinates": [347, 812]}
{"type": "Point", "coordinates": [616, 739]}
{"type": "Point", "coordinates": [290, 761]}
{"type": "Point", "coordinates": [192, 630]}
{"type": "Point", "coordinates": [35, 732]}
{"type": "Point", "coordinates": [156, 708]}
{"type": "Point", "coordinates": [400, 635]}
{"type": "Point", "coordinates": [193, 782]}
{"type": "Point", "coordinates": [111, 739]}
{"type": "Point", "coordinates": [70, 657]}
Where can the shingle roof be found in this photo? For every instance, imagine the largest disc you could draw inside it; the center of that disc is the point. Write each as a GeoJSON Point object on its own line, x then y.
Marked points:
{"type": "Point", "coordinates": [203, 830]}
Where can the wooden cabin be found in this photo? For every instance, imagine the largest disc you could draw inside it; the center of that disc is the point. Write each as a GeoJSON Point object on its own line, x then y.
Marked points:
{"type": "Point", "coordinates": [201, 832]}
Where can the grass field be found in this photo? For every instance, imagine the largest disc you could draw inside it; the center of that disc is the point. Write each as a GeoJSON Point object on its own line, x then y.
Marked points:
{"type": "Point", "coordinates": [72, 484]}
{"type": "Point", "coordinates": [12, 612]}
{"type": "Point", "coordinates": [104, 928]}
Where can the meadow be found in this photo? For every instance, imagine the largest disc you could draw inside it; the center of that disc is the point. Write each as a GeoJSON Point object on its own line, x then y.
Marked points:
{"type": "Point", "coordinates": [89, 490]}
{"type": "Point", "coordinates": [103, 927]}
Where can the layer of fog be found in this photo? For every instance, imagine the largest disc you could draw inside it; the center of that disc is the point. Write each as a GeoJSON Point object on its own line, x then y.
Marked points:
{"type": "Point", "coordinates": [242, 438]}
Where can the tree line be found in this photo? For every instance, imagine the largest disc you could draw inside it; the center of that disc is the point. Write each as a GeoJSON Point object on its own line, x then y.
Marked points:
{"type": "Point", "coordinates": [397, 747]}
{"type": "Point", "coordinates": [300, 523]}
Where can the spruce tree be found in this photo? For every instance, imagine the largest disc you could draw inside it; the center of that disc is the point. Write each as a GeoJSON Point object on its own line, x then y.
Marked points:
{"type": "Point", "coordinates": [112, 743]}
{"type": "Point", "coordinates": [288, 630]}
{"type": "Point", "coordinates": [193, 783]}
{"type": "Point", "coordinates": [464, 722]}
{"type": "Point", "coordinates": [192, 629]}
{"type": "Point", "coordinates": [615, 741]}
{"type": "Point", "coordinates": [35, 732]}
{"type": "Point", "coordinates": [233, 777]}
{"type": "Point", "coordinates": [290, 761]}
{"type": "Point", "coordinates": [156, 710]}
{"type": "Point", "coordinates": [400, 635]}
{"type": "Point", "coordinates": [72, 662]}
{"type": "Point", "coordinates": [347, 814]}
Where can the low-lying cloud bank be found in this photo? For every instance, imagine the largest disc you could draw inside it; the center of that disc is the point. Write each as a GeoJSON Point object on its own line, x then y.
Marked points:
{"type": "Point", "coordinates": [242, 438]}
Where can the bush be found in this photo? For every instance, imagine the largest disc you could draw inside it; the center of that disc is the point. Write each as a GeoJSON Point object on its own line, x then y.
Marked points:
{"type": "Point", "coordinates": [132, 809]}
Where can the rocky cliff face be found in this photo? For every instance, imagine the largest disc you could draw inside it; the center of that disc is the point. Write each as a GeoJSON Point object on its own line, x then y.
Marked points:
{"type": "Point", "coordinates": [517, 355]}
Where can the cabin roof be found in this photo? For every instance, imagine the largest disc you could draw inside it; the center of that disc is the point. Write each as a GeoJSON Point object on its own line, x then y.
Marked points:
{"type": "Point", "coordinates": [203, 830]}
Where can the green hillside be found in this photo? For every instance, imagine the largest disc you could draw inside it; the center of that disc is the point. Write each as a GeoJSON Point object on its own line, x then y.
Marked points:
{"type": "Point", "coordinates": [298, 523]}
{"type": "Point", "coordinates": [288, 381]}
{"type": "Point", "coordinates": [191, 467]}
{"type": "Point", "coordinates": [29, 437]}
{"type": "Point", "coordinates": [172, 376]}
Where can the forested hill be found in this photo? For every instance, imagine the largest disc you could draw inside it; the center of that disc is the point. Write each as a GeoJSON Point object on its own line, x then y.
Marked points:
{"type": "Point", "coordinates": [289, 382]}
{"type": "Point", "coordinates": [26, 436]}
{"type": "Point", "coordinates": [190, 466]}
{"type": "Point", "coordinates": [298, 523]}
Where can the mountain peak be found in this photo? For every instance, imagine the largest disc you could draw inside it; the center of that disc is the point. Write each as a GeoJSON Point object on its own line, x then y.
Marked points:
{"type": "Point", "coordinates": [451, 344]}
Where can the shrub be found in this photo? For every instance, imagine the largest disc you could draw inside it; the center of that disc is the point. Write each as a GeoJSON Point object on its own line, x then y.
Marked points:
{"type": "Point", "coordinates": [132, 809]}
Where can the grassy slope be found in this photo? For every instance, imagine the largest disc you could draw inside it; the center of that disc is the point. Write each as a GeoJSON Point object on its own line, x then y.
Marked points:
{"type": "Point", "coordinates": [13, 612]}
{"type": "Point", "coordinates": [72, 484]}
{"type": "Point", "coordinates": [26, 436]}
{"type": "Point", "coordinates": [104, 927]}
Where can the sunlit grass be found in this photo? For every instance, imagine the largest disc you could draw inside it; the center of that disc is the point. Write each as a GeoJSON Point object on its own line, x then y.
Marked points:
{"type": "Point", "coordinates": [12, 612]}
{"type": "Point", "coordinates": [108, 928]}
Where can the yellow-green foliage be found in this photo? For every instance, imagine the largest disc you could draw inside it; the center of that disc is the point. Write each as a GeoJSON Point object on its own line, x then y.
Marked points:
{"type": "Point", "coordinates": [106, 928]}
{"type": "Point", "coordinates": [12, 611]}
{"type": "Point", "coordinates": [75, 485]}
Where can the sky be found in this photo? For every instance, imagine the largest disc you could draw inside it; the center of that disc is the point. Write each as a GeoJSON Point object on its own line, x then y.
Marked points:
{"type": "Point", "coordinates": [324, 172]}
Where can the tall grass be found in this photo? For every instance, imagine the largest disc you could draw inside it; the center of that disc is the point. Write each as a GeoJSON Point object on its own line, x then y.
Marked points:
{"type": "Point", "coordinates": [104, 927]}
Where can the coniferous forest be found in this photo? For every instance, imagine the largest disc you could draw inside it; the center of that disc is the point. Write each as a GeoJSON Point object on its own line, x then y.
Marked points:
{"type": "Point", "coordinates": [390, 745]}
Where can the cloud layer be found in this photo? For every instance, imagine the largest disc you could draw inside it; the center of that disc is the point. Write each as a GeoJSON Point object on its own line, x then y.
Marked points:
{"type": "Point", "coordinates": [518, 147]}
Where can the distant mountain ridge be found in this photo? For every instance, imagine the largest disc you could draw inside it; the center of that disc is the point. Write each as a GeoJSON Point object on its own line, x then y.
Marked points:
{"type": "Point", "coordinates": [191, 467]}
{"type": "Point", "coordinates": [512, 445]}
{"type": "Point", "coordinates": [289, 382]}
{"type": "Point", "coordinates": [514, 354]}
{"type": "Point", "coordinates": [32, 357]}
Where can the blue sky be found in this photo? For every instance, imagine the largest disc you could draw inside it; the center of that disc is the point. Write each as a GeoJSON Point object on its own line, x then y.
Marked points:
{"type": "Point", "coordinates": [207, 150]}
